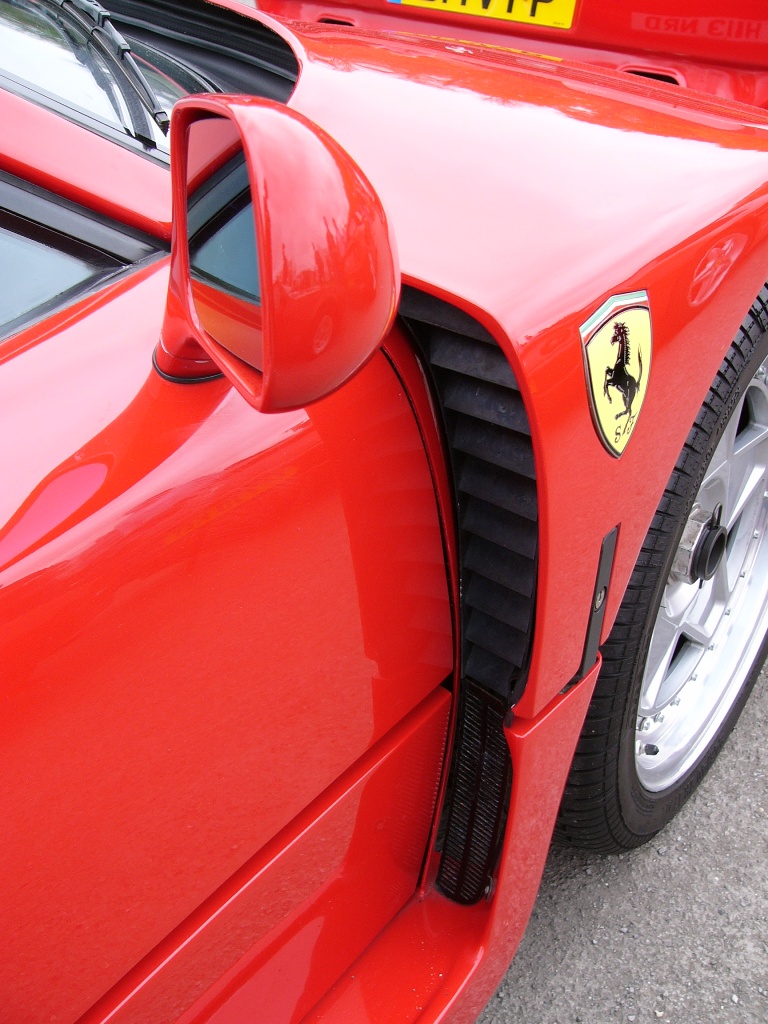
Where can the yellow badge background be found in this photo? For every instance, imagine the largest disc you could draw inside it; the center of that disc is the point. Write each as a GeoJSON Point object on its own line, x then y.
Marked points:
{"type": "Point", "coordinates": [547, 14]}
{"type": "Point", "coordinates": [602, 355]}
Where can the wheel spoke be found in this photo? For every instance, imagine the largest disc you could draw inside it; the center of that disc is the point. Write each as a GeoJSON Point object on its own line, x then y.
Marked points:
{"type": "Point", "coordinates": [706, 611]}
{"type": "Point", "coordinates": [706, 631]}
{"type": "Point", "coordinates": [720, 588]}
{"type": "Point", "coordinates": [699, 633]}
{"type": "Point", "coordinates": [679, 600]}
{"type": "Point", "coordinates": [663, 645]}
{"type": "Point", "coordinates": [747, 476]}
{"type": "Point", "coordinates": [719, 469]}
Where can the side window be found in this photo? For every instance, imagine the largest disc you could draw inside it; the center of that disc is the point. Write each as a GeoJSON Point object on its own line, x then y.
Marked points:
{"type": "Point", "coordinates": [52, 251]}
{"type": "Point", "coordinates": [41, 269]}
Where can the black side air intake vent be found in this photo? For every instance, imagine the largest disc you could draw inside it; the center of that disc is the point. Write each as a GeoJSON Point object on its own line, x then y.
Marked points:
{"type": "Point", "coordinates": [495, 487]}
{"type": "Point", "coordinates": [494, 482]}
{"type": "Point", "coordinates": [476, 810]}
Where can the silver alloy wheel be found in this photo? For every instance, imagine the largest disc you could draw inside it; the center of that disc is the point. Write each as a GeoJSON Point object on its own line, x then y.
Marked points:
{"type": "Point", "coordinates": [708, 632]}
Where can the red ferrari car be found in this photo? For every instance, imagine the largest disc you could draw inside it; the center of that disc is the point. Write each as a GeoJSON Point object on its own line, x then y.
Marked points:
{"type": "Point", "coordinates": [383, 482]}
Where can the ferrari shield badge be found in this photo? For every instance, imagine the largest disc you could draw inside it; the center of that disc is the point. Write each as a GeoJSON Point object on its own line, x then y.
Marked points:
{"type": "Point", "coordinates": [617, 360]}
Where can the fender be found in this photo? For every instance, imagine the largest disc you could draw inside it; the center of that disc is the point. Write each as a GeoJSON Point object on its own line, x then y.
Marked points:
{"type": "Point", "coordinates": [595, 186]}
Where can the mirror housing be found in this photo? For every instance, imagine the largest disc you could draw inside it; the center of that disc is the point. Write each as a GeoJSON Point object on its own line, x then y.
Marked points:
{"type": "Point", "coordinates": [325, 288]}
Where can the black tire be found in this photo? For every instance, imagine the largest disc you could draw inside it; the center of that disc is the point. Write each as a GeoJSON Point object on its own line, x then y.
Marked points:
{"type": "Point", "coordinates": [621, 790]}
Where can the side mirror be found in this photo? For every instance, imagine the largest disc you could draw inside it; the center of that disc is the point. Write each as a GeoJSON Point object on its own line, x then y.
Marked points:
{"type": "Point", "coordinates": [283, 271]}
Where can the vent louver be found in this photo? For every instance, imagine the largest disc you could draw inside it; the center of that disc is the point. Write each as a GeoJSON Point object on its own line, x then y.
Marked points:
{"type": "Point", "coordinates": [494, 480]}
{"type": "Point", "coordinates": [495, 486]}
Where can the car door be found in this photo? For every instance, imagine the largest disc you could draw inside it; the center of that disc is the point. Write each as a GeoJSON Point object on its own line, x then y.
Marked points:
{"type": "Point", "coordinates": [224, 636]}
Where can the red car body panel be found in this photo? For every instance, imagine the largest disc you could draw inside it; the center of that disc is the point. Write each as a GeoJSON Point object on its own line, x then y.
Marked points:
{"type": "Point", "coordinates": [696, 43]}
{"type": "Point", "coordinates": [84, 167]}
{"type": "Point", "coordinates": [455, 956]}
{"type": "Point", "coordinates": [277, 936]}
{"type": "Point", "coordinates": [621, 170]}
{"type": "Point", "coordinates": [182, 760]}
{"type": "Point", "coordinates": [523, 190]}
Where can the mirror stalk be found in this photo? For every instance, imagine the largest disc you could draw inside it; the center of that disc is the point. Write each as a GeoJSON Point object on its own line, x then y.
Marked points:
{"type": "Point", "coordinates": [179, 356]}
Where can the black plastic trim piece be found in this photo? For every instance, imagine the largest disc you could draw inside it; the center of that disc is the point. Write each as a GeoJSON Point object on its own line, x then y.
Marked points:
{"type": "Point", "coordinates": [67, 218]}
{"type": "Point", "coordinates": [427, 309]}
{"type": "Point", "coordinates": [236, 52]}
{"type": "Point", "coordinates": [183, 380]}
{"type": "Point", "coordinates": [599, 601]}
{"type": "Point", "coordinates": [480, 785]}
{"type": "Point", "coordinates": [110, 248]}
{"type": "Point", "coordinates": [488, 438]}
{"type": "Point", "coordinates": [490, 452]}
{"type": "Point", "coordinates": [97, 260]}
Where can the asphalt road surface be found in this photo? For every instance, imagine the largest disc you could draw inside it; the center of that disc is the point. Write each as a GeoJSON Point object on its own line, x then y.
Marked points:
{"type": "Point", "coordinates": [676, 931]}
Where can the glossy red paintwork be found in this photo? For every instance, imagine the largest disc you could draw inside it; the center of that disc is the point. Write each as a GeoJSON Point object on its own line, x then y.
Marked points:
{"type": "Point", "coordinates": [277, 935]}
{"type": "Point", "coordinates": [150, 729]}
{"type": "Point", "coordinates": [455, 956]}
{"type": "Point", "coordinates": [84, 167]}
{"type": "Point", "coordinates": [700, 44]}
{"type": "Point", "coordinates": [634, 210]}
{"type": "Point", "coordinates": [196, 598]}
{"type": "Point", "coordinates": [329, 281]}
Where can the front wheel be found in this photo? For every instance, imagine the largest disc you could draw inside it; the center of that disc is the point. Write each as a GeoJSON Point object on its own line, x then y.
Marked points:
{"type": "Point", "coordinates": [690, 637]}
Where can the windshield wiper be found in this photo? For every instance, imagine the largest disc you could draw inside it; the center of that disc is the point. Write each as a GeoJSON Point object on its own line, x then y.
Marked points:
{"type": "Point", "coordinates": [93, 19]}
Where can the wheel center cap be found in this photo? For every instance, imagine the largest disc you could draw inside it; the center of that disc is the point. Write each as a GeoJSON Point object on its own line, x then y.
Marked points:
{"type": "Point", "coordinates": [708, 552]}
{"type": "Point", "coordinates": [702, 547]}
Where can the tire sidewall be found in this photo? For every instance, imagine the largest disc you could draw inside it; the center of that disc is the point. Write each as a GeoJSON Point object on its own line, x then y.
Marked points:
{"type": "Point", "coordinates": [645, 812]}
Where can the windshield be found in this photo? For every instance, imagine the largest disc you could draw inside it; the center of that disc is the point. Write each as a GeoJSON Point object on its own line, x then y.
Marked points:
{"type": "Point", "coordinates": [56, 57]}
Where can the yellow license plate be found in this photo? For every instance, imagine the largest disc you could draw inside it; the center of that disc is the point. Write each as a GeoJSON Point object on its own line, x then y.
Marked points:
{"type": "Point", "coordinates": [545, 13]}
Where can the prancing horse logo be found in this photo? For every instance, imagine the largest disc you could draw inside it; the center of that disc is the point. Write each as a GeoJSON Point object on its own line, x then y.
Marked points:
{"type": "Point", "coordinates": [617, 358]}
{"type": "Point", "coordinates": [618, 376]}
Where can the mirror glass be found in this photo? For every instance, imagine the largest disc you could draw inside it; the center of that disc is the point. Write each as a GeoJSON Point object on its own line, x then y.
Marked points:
{"type": "Point", "coordinates": [221, 238]}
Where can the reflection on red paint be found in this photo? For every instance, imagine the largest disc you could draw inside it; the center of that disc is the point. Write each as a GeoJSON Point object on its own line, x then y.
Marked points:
{"type": "Point", "coordinates": [51, 507]}
{"type": "Point", "coordinates": [714, 267]}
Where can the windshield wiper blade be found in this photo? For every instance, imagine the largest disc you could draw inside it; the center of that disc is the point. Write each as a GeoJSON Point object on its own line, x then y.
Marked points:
{"type": "Point", "coordinates": [95, 20]}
